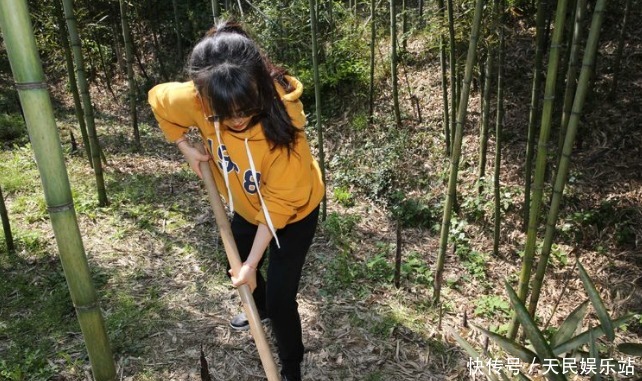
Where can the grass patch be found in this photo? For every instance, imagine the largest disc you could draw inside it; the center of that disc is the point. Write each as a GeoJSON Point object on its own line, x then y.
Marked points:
{"type": "Point", "coordinates": [36, 304]}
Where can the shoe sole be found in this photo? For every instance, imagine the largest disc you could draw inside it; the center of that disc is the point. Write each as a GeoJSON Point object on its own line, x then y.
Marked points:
{"type": "Point", "coordinates": [247, 327]}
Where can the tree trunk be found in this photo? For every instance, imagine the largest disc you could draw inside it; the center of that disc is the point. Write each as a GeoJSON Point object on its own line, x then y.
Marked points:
{"type": "Point", "coordinates": [129, 56]}
{"type": "Point", "coordinates": [456, 149]}
{"type": "Point", "coordinates": [86, 101]}
{"type": "Point", "coordinates": [540, 163]}
{"type": "Point", "coordinates": [45, 141]}
{"type": "Point", "coordinates": [584, 84]}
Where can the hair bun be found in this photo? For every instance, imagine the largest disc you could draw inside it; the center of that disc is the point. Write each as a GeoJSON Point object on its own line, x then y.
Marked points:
{"type": "Point", "coordinates": [226, 26]}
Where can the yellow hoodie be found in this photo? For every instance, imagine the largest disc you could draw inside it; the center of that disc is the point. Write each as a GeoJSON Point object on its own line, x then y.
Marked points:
{"type": "Point", "coordinates": [290, 185]}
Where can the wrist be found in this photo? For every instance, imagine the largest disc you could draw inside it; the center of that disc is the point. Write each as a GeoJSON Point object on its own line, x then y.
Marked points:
{"type": "Point", "coordinates": [180, 140]}
{"type": "Point", "coordinates": [250, 266]}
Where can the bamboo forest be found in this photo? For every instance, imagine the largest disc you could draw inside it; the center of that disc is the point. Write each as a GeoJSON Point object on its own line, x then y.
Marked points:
{"type": "Point", "coordinates": [482, 217]}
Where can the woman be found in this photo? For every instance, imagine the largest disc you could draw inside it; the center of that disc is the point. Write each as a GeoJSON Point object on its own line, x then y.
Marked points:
{"type": "Point", "coordinates": [250, 117]}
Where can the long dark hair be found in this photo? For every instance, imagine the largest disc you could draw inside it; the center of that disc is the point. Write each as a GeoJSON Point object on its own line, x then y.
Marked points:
{"type": "Point", "coordinates": [231, 73]}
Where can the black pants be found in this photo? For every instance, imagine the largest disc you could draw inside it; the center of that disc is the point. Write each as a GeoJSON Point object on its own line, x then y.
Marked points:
{"type": "Point", "coordinates": [277, 296]}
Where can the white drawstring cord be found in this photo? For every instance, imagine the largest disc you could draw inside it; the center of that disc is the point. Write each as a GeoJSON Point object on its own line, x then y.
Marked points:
{"type": "Point", "coordinates": [258, 190]}
{"type": "Point", "coordinates": [230, 200]}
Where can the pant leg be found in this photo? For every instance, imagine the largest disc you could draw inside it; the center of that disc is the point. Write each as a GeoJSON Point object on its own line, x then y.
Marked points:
{"type": "Point", "coordinates": [284, 274]}
{"type": "Point", "coordinates": [244, 233]}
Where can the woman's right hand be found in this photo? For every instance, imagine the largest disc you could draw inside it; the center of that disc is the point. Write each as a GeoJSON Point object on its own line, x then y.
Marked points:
{"type": "Point", "coordinates": [193, 156]}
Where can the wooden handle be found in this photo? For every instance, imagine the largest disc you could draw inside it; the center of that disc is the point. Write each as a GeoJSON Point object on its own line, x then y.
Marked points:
{"type": "Point", "coordinates": [256, 328]}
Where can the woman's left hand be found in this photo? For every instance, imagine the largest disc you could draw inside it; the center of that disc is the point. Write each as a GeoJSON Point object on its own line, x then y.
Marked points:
{"type": "Point", "coordinates": [246, 275]}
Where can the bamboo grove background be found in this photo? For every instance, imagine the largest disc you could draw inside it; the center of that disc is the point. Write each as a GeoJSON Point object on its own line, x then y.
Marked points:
{"type": "Point", "coordinates": [482, 168]}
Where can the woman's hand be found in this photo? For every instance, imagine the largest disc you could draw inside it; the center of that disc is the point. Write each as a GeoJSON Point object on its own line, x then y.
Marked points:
{"type": "Point", "coordinates": [192, 155]}
{"type": "Point", "coordinates": [246, 275]}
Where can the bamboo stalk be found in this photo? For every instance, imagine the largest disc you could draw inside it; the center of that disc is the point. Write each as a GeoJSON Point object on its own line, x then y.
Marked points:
{"type": "Point", "coordinates": [88, 109]}
{"type": "Point", "coordinates": [73, 86]}
{"type": "Point", "coordinates": [45, 141]}
{"type": "Point", "coordinates": [540, 163]}
{"type": "Point", "coordinates": [6, 226]}
{"type": "Point", "coordinates": [444, 77]}
{"type": "Point", "coordinates": [499, 125]}
{"type": "Point", "coordinates": [456, 149]}
{"type": "Point", "coordinates": [583, 88]}
{"type": "Point", "coordinates": [540, 39]}
{"type": "Point", "coordinates": [251, 312]}
{"type": "Point", "coordinates": [571, 76]}
{"type": "Point", "coordinates": [393, 62]}
{"type": "Point", "coordinates": [452, 58]}
{"type": "Point", "coordinates": [317, 98]}
{"type": "Point", "coordinates": [129, 57]}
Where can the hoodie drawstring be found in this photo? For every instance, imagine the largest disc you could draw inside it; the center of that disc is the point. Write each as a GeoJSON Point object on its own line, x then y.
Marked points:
{"type": "Point", "coordinates": [225, 174]}
{"type": "Point", "coordinates": [258, 191]}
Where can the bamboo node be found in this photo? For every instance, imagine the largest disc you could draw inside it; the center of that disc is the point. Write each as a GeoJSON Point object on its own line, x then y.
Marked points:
{"type": "Point", "coordinates": [88, 307]}
{"type": "Point", "coordinates": [30, 85]}
{"type": "Point", "coordinates": [60, 208]}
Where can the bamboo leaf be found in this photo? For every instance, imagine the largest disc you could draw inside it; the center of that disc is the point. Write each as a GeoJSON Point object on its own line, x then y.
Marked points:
{"type": "Point", "coordinates": [584, 338]}
{"type": "Point", "coordinates": [570, 324]}
{"type": "Point", "coordinates": [533, 333]}
{"type": "Point", "coordinates": [522, 377]}
{"type": "Point", "coordinates": [595, 354]}
{"type": "Point", "coordinates": [633, 349]}
{"type": "Point", "coordinates": [473, 353]}
{"type": "Point", "coordinates": [596, 300]}
{"type": "Point", "coordinates": [510, 346]}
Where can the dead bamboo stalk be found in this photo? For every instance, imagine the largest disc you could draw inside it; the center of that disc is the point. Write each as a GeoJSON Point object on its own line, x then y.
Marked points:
{"type": "Point", "coordinates": [256, 328]}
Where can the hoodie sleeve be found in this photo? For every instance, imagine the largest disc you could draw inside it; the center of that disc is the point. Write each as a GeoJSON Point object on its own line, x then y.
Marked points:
{"type": "Point", "coordinates": [292, 102]}
{"type": "Point", "coordinates": [174, 106]}
{"type": "Point", "coordinates": [286, 185]}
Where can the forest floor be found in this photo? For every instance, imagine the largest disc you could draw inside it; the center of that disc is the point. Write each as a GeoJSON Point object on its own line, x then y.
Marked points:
{"type": "Point", "coordinates": [159, 267]}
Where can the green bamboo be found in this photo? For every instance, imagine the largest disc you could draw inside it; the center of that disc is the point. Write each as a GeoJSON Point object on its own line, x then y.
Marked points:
{"type": "Point", "coordinates": [620, 49]}
{"type": "Point", "coordinates": [456, 149]}
{"type": "Point", "coordinates": [216, 11]}
{"type": "Point", "coordinates": [540, 34]}
{"type": "Point", "coordinates": [6, 226]}
{"type": "Point", "coordinates": [453, 72]}
{"type": "Point", "coordinates": [583, 87]}
{"type": "Point", "coordinates": [43, 134]}
{"type": "Point", "coordinates": [177, 29]}
{"type": "Point", "coordinates": [571, 76]}
{"type": "Point", "coordinates": [444, 77]}
{"type": "Point", "coordinates": [483, 135]}
{"type": "Point", "coordinates": [540, 162]}
{"type": "Point", "coordinates": [499, 126]}
{"type": "Point", "coordinates": [73, 86]}
{"type": "Point", "coordinates": [129, 56]}
{"type": "Point", "coordinates": [373, 37]}
{"type": "Point", "coordinates": [404, 26]}
{"type": "Point", "coordinates": [86, 100]}
{"type": "Point", "coordinates": [317, 97]}
{"type": "Point", "coordinates": [393, 62]}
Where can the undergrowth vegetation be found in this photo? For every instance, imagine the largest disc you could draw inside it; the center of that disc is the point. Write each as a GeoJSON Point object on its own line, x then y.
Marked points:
{"type": "Point", "coordinates": [160, 270]}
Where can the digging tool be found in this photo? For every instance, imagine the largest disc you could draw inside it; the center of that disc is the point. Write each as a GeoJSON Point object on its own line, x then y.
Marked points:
{"type": "Point", "coordinates": [252, 314]}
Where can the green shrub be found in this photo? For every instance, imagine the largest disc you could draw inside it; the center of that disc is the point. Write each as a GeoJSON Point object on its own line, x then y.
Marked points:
{"type": "Point", "coordinates": [12, 129]}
